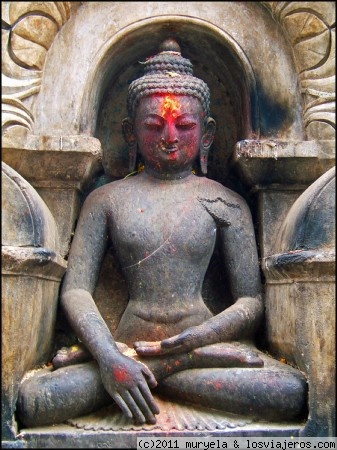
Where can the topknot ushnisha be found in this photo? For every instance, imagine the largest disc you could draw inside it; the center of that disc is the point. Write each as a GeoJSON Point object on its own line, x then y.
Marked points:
{"type": "Point", "coordinates": [168, 72]}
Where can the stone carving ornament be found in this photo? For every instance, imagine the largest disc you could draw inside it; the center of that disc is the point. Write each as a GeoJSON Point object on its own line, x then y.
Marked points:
{"type": "Point", "coordinates": [307, 26]}
{"type": "Point", "coordinates": [310, 29]}
{"type": "Point", "coordinates": [28, 30]}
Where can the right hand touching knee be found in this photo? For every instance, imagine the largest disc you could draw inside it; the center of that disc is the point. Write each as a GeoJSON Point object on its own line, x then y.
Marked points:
{"type": "Point", "coordinates": [129, 382]}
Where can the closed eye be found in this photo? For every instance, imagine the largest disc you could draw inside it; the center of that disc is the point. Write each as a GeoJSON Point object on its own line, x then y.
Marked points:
{"type": "Point", "coordinates": [186, 125]}
{"type": "Point", "coordinates": [151, 125]}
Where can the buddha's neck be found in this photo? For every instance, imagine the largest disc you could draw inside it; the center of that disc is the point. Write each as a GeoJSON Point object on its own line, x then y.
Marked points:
{"type": "Point", "coordinates": [174, 176]}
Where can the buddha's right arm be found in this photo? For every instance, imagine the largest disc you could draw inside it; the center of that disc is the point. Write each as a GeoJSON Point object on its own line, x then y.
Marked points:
{"type": "Point", "coordinates": [88, 323]}
{"type": "Point", "coordinates": [126, 380]}
{"type": "Point", "coordinates": [84, 263]}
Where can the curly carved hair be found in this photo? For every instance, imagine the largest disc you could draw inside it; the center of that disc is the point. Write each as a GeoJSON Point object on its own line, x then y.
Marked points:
{"type": "Point", "coordinates": [168, 73]}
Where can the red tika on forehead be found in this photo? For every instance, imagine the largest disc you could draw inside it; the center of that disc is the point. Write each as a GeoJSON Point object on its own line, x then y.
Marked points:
{"type": "Point", "coordinates": [170, 106]}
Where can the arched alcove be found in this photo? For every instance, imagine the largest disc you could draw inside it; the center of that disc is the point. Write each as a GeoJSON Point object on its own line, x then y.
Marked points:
{"type": "Point", "coordinates": [216, 58]}
{"type": "Point", "coordinates": [237, 48]}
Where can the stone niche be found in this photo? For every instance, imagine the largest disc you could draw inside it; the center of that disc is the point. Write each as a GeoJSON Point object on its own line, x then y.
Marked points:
{"type": "Point", "coordinates": [270, 99]}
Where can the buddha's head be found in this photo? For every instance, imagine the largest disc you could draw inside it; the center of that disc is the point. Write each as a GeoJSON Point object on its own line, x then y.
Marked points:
{"type": "Point", "coordinates": [169, 121]}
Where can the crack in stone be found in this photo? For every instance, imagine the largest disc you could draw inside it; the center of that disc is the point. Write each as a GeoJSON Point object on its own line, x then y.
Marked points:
{"type": "Point", "coordinates": [151, 254]}
{"type": "Point", "coordinates": [218, 199]}
{"type": "Point", "coordinates": [219, 221]}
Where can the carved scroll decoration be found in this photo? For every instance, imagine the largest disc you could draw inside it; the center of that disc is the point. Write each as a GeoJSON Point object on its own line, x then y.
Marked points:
{"type": "Point", "coordinates": [310, 28]}
{"type": "Point", "coordinates": [28, 30]}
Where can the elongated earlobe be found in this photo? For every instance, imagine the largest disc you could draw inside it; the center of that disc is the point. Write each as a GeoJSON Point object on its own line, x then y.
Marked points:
{"type": "Point", "coordinates": [132, 158]}
{"type": "Point", "coordinates": [203, 160]}
{"type": "Point", "coordinates": [205, 145]}
{"type": "Point", "coordinates": [130, 139]}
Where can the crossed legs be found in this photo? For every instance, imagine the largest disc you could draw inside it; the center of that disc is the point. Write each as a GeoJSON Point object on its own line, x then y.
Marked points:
{"type": "Point", "coordinates": [233, 377]}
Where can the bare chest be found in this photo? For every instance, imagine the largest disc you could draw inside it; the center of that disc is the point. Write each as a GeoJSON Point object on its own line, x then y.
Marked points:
{"type": "Point", "coordinates": [158, 222]}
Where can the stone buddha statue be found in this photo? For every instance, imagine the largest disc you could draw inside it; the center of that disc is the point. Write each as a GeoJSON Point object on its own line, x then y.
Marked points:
{"type": "Point", "coordinates": [164, 223]}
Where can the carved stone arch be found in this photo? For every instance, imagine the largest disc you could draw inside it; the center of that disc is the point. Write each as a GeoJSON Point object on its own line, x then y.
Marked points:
{"type": "Point", "coordinates": [253, 80]}
{"type": "Point", "coordinates": [234, 97]}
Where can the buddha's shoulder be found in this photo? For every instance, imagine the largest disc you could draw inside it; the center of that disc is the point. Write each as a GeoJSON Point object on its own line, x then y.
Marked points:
{"type": "Point", "coordinates": [111, 191]}
{"type": "Point", "coordinates": [224, 205]}
{"type": "Point", "coordinates": [212, 190]}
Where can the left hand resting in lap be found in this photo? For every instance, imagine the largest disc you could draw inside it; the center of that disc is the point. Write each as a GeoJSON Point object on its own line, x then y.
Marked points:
{"type": "Point", "coordinates": [180, 343]}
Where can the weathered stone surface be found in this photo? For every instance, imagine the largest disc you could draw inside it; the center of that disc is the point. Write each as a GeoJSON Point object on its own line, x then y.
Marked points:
{"type": "Point", "coordinates": [111, 294]}
{"type": "Point", "coordinates": [310, 223]}
{"type": "Point", "coordinates": [64, 436]}
{"type": "Point", "coordinates": [310, 29]}
{"type": "Point", "coordinates": [264, 163]}
{"type": "Point", "coordinates": [59, 168]}
{"type": "Point", "coordinates": [29, 29]}
{"type": "Point", "coordinates": [31, 273]}
{"type": "Point", "coordinates": [64, 159]}
{"type": "Point", "coordinates": [277, 173]}
{"type": "Point", "coordinates": [300, 291]}
{"type": "Point", "coordinates": [27, 222]}
{"type": "Point", "coordinates": [304, 334]}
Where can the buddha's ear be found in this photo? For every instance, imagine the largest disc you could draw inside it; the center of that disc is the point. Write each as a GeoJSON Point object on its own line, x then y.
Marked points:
{"type": "Point", "coordinates": [128, 132]}
{"type": "Point", "coordinates": [209, 132]}
{"type": "Point", "coordinates": [130, 137]}
{"type": "Point", "coordinates": [205, 144]}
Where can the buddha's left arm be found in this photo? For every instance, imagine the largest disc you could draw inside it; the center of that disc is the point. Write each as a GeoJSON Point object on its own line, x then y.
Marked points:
{"type": "Point", "coordinates": [243, 273]}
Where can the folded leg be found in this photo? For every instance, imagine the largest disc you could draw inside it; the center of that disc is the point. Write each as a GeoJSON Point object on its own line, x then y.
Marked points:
{"type": "Point", "coordinates": [53, 397]}
{"type": "Point", "coordinates": [273, 392]}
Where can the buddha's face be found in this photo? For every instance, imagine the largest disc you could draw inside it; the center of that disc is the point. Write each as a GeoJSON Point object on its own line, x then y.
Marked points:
{"type": "Point", "coordinates": [168, 129]}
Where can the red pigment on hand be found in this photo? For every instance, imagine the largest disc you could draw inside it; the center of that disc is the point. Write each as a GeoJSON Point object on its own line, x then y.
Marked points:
{"type": "Point", "coordinates": [120, 375]}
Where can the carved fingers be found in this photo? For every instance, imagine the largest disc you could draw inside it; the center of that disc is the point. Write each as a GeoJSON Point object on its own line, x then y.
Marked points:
{"type": "Point", "coordinates": [128, 382]}
{"type": "Point", "coordinates": [146, 348]}
{"type": "Point", "coordinates": [180, 343]}
{"type": "Point", "coordinates": [135, 407]}
{"type": "Point", "coordinates": [185, 341]}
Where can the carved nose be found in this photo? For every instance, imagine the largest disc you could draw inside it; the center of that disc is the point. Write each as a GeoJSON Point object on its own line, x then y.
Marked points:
{"type": "Point", "coordinates": [171, 135]}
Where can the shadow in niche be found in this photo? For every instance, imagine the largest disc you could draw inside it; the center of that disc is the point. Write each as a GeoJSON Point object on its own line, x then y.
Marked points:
{"type": "Point", "coordinates": [213, 61]}
{"type": "Point", "coordinates": [274, 116]}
